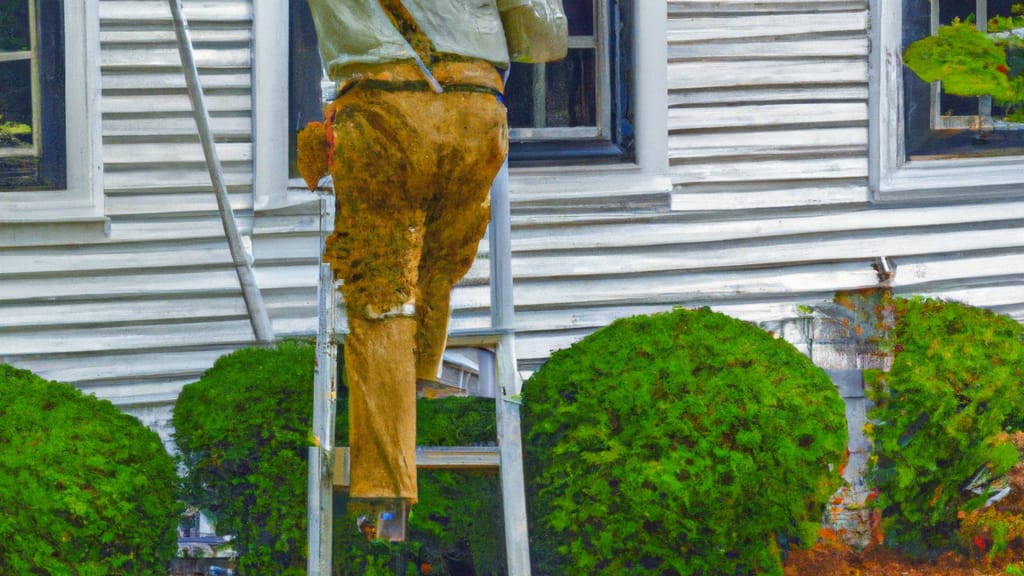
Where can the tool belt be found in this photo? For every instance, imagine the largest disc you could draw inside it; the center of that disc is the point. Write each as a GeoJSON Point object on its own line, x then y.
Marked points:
{"type": "Point", "coordinates": [455, 75]}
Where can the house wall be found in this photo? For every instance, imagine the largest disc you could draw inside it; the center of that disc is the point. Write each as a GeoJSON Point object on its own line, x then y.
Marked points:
{"type": "Point", "coordinates": [136, 315]}
{"type": "Point", "coordinates": [770, 209]}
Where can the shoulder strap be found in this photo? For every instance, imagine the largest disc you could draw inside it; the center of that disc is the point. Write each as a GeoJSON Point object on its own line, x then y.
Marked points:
{"type": "Point", "coordinates": [407, 26]}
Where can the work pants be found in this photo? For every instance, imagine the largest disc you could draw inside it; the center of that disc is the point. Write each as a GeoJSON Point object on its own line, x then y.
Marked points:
{"type": "Point", "coordinates": [412, 169]}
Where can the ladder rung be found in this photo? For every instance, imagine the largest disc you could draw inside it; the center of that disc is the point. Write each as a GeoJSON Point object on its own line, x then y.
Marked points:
{"type": "Point", "coordinates": [429, 457]}
{"type": "Point", "coordinates": [482, 337]}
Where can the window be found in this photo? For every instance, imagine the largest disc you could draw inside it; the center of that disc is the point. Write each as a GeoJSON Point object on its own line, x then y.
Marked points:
{"type": "Point", "coordinates": [925, 144]}
{"type": "Point", "coordinates": [574, 111]}
{"type": "Point", "coordinates": [577, 109]}
{"type": "Point", "coordinates": [939, 124]}
{"type": "Point", "coordinates": [32, 150]}
{"type": "Point", "coordinates": [50, 133]}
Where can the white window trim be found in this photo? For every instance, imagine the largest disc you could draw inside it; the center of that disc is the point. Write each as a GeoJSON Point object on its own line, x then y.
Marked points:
{"type": "Point", "coordinates": [892, 177]}
{"type": "Point", "coordinates": [82, 200]}
{"type": "Point", "coordinates": [646, 175]}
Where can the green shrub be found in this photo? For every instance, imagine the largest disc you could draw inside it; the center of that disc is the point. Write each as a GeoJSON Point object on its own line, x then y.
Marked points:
{"type": "Point", "coordinates": [244, 431]}
{"type": "Point", "coordinates": [955, 384]}
{"type": "Point", "coordinates": [85, 489]}
{"type": "Point", "coordinates": [680, 443]}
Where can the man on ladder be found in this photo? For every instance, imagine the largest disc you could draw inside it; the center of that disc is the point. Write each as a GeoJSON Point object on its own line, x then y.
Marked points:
{"type": "Point", "coordinates": [413, 140]}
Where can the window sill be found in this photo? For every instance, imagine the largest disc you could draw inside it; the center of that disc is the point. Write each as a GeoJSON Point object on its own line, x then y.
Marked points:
{"type": "Point", "coordinates": [962, 179]}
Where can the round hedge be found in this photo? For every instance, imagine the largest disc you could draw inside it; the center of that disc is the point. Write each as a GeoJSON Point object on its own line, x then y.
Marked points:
{"type": "Point", "coordinates": [956, 383]}
{"type": "Point", "coordinates": [244, 431]}
{"type": "Point", "coordinates": [680, 443]}
{"type": "Point", "coordinates": [84, 488]}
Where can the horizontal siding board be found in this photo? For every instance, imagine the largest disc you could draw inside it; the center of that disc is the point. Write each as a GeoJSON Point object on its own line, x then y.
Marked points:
{"type": "Point", "coordinates": [117, 286]}
{"type": "Point", "coordinates": [768, 74]}
{"type": "Point", "coordinates": [757, 253]}
{"type": "Point", "coordinates": [806, 142]}
{"type": "Point", "coordinates": [171, 153]}
{"type": "Point", "coordinates": [777, 94]}
{"type": "Point", "coordinates": [224, 127]}
{"type": "Point", "coordinates": [173, 179]}
{"type": "Point", "coordinates": [126, 366]}
{"type": "Point", "coordinates": [132, 57]}
{"type": "Point", "coordinates": [157, 205]}
{"type": "Point", "coordinates": [752, 117]}
{"type": "Point", "coordinates": [685, 7]}
{"type": "Point", "coordinates": [673, 287]}
{"type": "Point", "coordinates": [823, 48]}
{"type": "Point", "coordinates": [117, 38]}
{"type": "Point", "coordinates": [175, 102]}
{"type": "Point", "coordinates": [141, 12]}
{"type": "Point", "coordinates": [739, 170]}
{"type": "Point", "coordinates": [672, 229]}
{"type": "Point", "coordinates": [55, 264]}
{"type": "Point", "coordinates": [690, 198]}
{"type": "Point", "coordinates": [121, 338]}
{"type": "Point", "coordinates": [135, 81]}
{"type": "Point", "coordinates": [123, 311]}
{"type": "Point", "coordinates": [712, 29]}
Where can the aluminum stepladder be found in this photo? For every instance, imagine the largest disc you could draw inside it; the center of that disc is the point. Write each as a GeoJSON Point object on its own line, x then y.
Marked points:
{"type": "Point", "coordinates": [328, 464]}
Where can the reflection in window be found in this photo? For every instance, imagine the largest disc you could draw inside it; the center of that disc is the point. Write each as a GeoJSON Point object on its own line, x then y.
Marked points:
{"type": "Point", "coordinates": [940, 125]}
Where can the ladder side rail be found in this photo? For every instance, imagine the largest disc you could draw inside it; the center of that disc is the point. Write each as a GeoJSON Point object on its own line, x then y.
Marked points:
{"type": "Point", "coordinates": [510, 440]}
{"type": "Point", "coordinates": [320, 513]}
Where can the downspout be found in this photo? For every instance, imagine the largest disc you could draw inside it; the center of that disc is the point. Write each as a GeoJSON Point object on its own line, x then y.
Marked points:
{"type": "Point", "coordinates": [258, 316]}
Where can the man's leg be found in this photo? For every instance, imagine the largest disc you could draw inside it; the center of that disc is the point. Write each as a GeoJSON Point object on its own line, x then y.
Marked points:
{"type": "Point", "coordinates": [457, 216]}
{"type": "Point", "coordinates": [375, 250]}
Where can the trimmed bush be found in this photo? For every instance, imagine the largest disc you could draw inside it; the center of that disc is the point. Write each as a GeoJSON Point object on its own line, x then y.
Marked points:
{"type": "Point", "coordinates": [956, 383]}
{"type": "Point", "coordinates": [85, 489]}
{"type": "Point", "coordinates": [679, 443]}
{"type": "Point", "coordinates": [244, 431]}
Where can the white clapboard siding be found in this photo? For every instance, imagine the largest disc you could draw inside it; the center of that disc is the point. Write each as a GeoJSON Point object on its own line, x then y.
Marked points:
{"type": "Point", "coordinates": [767, 103]}
{"type": "Point", "coordinates": [136, 315]}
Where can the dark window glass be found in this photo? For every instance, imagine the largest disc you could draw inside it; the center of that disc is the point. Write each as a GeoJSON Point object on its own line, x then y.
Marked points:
{"type": "Point", "coordinates": [32, 117]}
{"type": "Point", "coordinates": [305, 73]}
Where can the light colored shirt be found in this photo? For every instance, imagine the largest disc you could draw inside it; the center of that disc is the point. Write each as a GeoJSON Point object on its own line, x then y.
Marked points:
{"type": "Point", "coordinates": [354, 34]}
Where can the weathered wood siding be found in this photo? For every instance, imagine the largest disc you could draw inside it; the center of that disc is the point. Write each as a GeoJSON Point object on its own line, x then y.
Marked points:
{"type": "Point", "coordinates": [135, 316]}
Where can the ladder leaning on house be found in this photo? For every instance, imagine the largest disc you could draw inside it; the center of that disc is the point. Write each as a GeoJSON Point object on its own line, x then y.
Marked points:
{"type": "Point", "coordinates": [328, 464]}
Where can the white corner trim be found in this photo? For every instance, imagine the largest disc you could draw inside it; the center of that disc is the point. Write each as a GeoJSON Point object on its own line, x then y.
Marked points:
{"type": "Point", "coordinates": [270, 103]}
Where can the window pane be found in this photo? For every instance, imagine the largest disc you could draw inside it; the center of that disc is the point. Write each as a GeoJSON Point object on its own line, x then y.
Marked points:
{"type": "Point", "coordinates": [581, 17]}
{"type": "Point", "coordinates": [570, 90]}
{"type": "Point", "coordinates": [16, 105]}
{"type": "Point", "coordinates": [565, 98]}
{"type": "Point", "coordinates": [519, 95]}
{"type": "Point", "coordinates": [14, 29]}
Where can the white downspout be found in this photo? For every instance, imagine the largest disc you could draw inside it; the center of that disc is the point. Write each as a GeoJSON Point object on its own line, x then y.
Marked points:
{"type": "Point", "coordinates": [258, 316]}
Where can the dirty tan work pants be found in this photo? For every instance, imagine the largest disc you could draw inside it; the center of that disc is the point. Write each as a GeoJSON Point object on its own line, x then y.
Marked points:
{"type": "Point", "coordinates": [412, 170]}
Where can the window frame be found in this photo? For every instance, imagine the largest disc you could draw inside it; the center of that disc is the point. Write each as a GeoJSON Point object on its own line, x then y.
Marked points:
{"type": "Point", "coordinates": [894, 178]}
{"type": "Point", "coordinates": [602, 143]}
{"type": "Point", "coordinates": [81, 200]}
